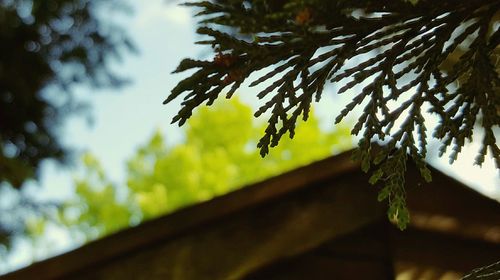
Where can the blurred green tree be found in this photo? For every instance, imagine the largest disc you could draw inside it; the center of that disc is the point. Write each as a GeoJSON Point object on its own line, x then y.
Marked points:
{"type": "Point", "coordinates": [217, 156]}
{"type": "Point", "coordinates": [97, 209]}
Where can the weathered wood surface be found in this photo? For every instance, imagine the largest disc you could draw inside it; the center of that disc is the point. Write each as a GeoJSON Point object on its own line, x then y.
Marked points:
{"type": "Point", "coordinates": [241, 243]}
{"type": "Point", "coordinates": [380, 251]}
{"type": "Point", "coordinates": [363, 254]}
{"type": "Point", "coordinates": [443, 251]}
{"type": "Point", "coordinates": [448, 206]}
{"type": "Point", "coordinates": [237, 234]}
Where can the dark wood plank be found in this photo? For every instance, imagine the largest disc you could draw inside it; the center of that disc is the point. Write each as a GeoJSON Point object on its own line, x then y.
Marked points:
{"type": "Point", "coordinates": [362, 254]}
{"type": "Point", "coordinates": [443, 251]}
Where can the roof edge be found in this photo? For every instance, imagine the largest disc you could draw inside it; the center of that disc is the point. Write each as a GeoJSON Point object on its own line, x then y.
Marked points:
{"type": "Point", "coordinates": [174, 224]}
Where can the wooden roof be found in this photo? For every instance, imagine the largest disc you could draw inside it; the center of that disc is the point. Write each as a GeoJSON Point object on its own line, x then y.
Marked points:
{"type": "Point", "coordinates": [262, 223]}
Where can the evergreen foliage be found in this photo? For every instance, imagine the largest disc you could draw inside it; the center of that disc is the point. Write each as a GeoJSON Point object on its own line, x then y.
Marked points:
{"type": "Point", "coordinates": [396, 58]}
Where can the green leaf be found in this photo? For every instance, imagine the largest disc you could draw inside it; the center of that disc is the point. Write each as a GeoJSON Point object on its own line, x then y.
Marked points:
{"type": "Point", "coordinates": [426, 174]}
{"type": "Point", "coordinates": [376, 176]}
{"type": "Point", "coordinates": [380, 157]}
{"type": "Point", "coordinates": [384, 194]}
{"type": "Point", "coordinates": [403, 217]}
{"type": "Point", "coordinates": [365, 163]}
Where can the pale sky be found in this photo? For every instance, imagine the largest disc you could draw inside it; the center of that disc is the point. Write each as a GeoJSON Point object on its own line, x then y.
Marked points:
{"type": "Point", "coordinates": [125, 119]}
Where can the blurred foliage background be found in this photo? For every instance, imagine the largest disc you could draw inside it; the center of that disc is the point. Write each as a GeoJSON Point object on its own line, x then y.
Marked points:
{"type": "Point", "coordinates": [218, 155]}
{"type": "Point", "coordinates": [46, 48]}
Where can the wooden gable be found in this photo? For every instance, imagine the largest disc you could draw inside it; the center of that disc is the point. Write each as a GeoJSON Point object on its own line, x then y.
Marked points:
{"type": "Point", "coordinates": [321, 220]}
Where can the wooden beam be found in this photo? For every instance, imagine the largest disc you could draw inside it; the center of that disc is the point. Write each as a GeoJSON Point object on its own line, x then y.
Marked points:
{"type": "Point", "coordinates": [443, 251]}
